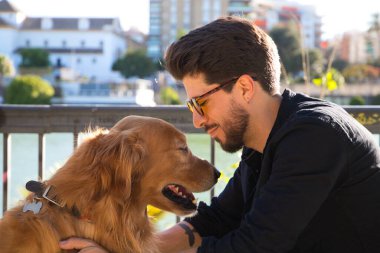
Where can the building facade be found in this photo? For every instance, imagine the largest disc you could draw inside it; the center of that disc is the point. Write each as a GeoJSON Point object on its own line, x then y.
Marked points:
{"type": "Point", "coordinates": [269, 13]}
{"type": "Point", "coordinates": [170, 19]}
{"type": "Point", "coordinates": [88, 46]}
{"type": "Point", "coordinates": [359, 47]}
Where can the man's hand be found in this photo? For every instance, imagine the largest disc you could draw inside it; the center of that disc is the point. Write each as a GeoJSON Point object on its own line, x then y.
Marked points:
{"type": "Point", "coordinates": [84, 245]}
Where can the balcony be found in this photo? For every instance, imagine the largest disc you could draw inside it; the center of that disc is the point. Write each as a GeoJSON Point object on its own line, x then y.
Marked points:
{"type": "Point", "coordinates": [43, 120]}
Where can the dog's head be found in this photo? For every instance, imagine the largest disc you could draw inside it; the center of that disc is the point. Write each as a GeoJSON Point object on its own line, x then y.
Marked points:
{"type": "Point", "coordinates": [140, 161]}
{"type": "Point", "coordinates": [164, 172]}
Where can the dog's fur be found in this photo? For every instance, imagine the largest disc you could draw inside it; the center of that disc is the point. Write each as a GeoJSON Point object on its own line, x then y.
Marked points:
{"type": "Point", "coordinates": [110, 179]}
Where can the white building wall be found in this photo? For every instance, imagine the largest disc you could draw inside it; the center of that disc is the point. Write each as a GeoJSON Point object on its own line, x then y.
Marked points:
{"type": "Point", "coordinates": [91, 65]}
{"type": "Point", "coordinates": [357, 51]}
{"type": "Point", "coordinates": [7, 41]}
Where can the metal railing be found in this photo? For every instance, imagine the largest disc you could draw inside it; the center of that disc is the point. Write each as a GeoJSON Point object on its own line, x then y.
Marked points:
{"type": "Point", "coordinates": [74, 119]}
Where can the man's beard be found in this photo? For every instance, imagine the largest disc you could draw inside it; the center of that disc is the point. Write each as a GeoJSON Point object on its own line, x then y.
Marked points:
{"type": "Point", "coordinates": [234, 128]}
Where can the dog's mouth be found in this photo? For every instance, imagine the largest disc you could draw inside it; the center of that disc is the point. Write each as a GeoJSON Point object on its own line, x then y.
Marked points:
{"type": "Point", "coordinates": [179, 195]}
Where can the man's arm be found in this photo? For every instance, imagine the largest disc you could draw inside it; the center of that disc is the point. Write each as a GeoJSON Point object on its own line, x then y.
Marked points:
{"type": "Point", "coordinates": [182, 237]}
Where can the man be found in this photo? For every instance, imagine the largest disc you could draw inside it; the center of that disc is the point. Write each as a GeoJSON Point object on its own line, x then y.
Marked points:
{"type": "Point", "coordinates": [309, 176]}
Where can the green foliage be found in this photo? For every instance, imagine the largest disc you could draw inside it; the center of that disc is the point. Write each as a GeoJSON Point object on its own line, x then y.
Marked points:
{"type": "Point", "coordinates": [289, 47]}
{"type": "Point", "coordinates": [375, 63]}
{"type": "Point", "coordinates": [316, 61]}
{"type": "Point", "coordinates": [357, 100]}
{"type": "Point", "coordinates": [169, 96]}
{"type": "Point", "coordinates": [180, 33]}
{"type": "Point", "coordinates": [28, 89]}
{"type": "Point", "coordinates": [6, 66]}
{"type": "Point", "coordinates": [332, 80]}
{"type": "Point", "coordinates": [340, 64]}
{"type": "Point", "coordinates": [160, 64]}
{"type": "Point", "coordinates": [361, 73]}
{"type": "Point", "coordinates": [34, 57]}
{"type": "Point", "coordinates": [375, 100]}
{"type": "Point", "coordinates": [135, 63]}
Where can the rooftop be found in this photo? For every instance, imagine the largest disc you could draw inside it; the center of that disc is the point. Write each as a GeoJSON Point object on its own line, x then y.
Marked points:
{"type": "Point", "coordinates": [67, 23]}
{"type": "Point", "coordinates": [6, 6]}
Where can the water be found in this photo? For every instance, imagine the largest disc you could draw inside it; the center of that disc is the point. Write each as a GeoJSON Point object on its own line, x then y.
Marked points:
{"type": "Point", "coordinates": [59, 146]}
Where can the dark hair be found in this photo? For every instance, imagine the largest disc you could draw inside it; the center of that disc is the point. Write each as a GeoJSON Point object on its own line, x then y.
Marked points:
{"type": "Point", "coordinates": [225, 48]}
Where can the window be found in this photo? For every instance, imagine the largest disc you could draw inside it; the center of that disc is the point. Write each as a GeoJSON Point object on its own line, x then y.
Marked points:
{"type": "Point", "coordinates": [27, 43]}
{"type": "Point", "coordinates": [79, 60]}
{"type": "Point", "coordinates": [83, 43]}
{"type": "Point", "coordinates": [64, 43]}
{"type": "Point", "coordinates": [46, 43]}
{"type": "Point", "coordinates": [94, 60]}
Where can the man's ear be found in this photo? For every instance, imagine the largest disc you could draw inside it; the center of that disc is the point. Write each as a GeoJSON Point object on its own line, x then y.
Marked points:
{"type": "Point", "coordinates": [247, 87]}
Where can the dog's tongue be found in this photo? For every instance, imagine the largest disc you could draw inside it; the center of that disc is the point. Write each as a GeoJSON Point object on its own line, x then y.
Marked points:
{"type": "Point", "coordinates": [181, 191]}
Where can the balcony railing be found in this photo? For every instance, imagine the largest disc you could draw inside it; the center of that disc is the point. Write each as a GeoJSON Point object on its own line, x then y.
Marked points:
{"type": "Point", "coordinates": [74, 119]}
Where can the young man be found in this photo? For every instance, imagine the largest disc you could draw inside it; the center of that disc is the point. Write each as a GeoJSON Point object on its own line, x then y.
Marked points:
{"type": "Point", "coordinates": [309, 176]}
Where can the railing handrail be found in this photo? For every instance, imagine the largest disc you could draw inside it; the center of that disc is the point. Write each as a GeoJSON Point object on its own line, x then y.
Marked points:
{"type": "Point", "coordinates": [76, 118]}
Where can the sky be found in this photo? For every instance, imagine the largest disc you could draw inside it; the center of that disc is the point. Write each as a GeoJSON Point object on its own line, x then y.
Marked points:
{"type": "Point", "coordinates": [338, 16]}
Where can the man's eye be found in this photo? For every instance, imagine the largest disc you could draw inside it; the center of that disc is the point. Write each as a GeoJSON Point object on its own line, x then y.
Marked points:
{"type": "Point", "coordinates": [202, 103]}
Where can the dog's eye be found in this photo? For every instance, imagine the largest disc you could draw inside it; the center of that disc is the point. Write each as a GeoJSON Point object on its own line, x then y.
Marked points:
{"type": "Point", "coordinates": [184, 149]}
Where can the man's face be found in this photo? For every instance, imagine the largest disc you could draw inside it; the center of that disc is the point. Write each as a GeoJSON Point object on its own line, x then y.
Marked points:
{"type": "Point", "coordinates": [223, 119]}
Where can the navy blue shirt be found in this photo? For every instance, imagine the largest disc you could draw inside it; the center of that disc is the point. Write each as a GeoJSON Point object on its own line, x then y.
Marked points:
{"type": "Point", "coordinates": [315, 188]}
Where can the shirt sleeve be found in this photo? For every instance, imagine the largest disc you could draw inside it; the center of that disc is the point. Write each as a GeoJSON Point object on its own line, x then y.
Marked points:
{"type": "Point", "coordinates": [306, 163]}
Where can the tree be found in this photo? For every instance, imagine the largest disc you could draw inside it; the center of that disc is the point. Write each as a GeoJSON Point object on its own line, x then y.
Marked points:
{"type": "Point", "coordinates": [34, 57]}
{"type": "Point", "coordinates": [361, 73]}
{"type": "Point", "coordinates": [375, 100]}
{"type": "Point", "coordinates": [169, 96]}
{"type": "Point", "coordinates": [135, 63]}
{"type": "Point", "coordinates": [339, 64]}
{"type": "Point", "coordinates": [316, 61]}
{"type": "Point", "coordinates": [288, 45]}
{"type": "Point", "coordinates": [29, 89]}
{"type": "Point", "coordinates": [357, 100]}
{"type": "Point", "coordinates": [6, 68]}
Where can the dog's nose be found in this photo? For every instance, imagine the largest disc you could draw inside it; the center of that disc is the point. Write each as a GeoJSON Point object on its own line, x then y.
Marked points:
{"type": "Point", "coordinates": [216, 174]}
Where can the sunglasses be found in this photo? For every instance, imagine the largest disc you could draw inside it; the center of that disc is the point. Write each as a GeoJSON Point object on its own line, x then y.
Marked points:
{"type": "Point", "coordinates": [194, 103]}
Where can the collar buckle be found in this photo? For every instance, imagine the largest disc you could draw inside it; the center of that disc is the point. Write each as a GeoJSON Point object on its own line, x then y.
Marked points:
{"type": "Point", "coordinates": [51, 199]}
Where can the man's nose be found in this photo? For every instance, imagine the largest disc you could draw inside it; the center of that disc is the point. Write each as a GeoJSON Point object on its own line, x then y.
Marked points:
{"type": "Point", "coordinates": [198, 120]}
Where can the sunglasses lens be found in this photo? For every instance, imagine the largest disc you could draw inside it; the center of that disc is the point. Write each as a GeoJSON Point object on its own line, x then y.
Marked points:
{"type": "Point", "coordinates": [190, 106]}
{"type": "Point", "coordinates": [197, 107]}
{"type": "Point", "coordinates": [194, 106]}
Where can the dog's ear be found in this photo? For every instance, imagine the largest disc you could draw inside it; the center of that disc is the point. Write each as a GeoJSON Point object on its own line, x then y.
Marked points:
{"type": "Point", "coordinates": [118, 155]}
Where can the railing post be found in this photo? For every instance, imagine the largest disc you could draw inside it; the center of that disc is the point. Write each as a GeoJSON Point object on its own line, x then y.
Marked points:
{"type": "Point", "coordinates": [75, 136]}
{"type": "Point", "coordinates": [41, 155]}
{"type": "Point", "coordinates": [212, 158]}
{"type": "Point", "coordinates": [6, 166]}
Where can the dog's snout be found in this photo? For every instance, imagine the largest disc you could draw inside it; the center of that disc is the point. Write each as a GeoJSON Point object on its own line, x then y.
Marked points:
{"type": "Point", "coordinates": [216, 174]}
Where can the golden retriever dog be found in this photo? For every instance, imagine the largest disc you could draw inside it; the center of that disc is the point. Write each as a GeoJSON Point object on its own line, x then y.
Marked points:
{"type": "Point", "coordinates": [103, 190]}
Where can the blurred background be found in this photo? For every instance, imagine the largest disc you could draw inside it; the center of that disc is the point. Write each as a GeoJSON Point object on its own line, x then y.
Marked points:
{"type": "Point", "coordinates": [111, 52]}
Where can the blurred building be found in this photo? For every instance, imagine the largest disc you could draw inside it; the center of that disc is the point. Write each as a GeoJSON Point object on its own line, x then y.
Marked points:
{"type": "Point", "coordinates": [87, 45]}
{"type": "Point", "coordinates": [359, 47]}
{"type": "Point", "coordinates": [136, 40]}
{"type": "Point", "coordinates": [270, 13]}
{"type": "Point", "coordinates": [170, 19]}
